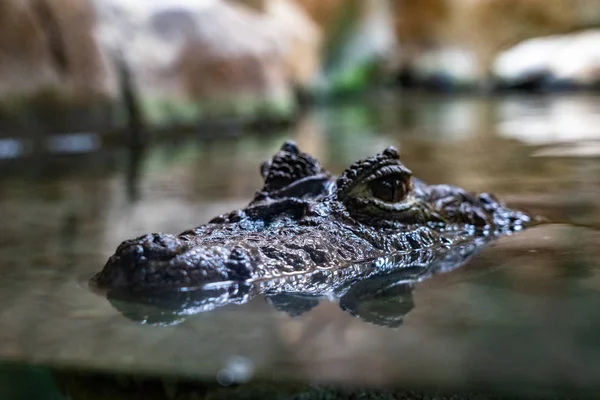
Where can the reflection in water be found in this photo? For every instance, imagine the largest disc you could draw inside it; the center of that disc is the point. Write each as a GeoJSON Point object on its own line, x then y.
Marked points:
{"type": "Point", "coordinates": [10, 148]}
{"type": "Point", "coordinates": [378, 292]}
{"type": "Point", "coordinates": [551, 120]}
{"type": "Point", "coordinates": [134, 170]}
{"type": "Point", "coordinates": [74, 143]}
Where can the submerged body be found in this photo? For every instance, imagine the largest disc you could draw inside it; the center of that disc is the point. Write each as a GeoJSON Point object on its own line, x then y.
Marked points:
{"type": "Point", "coordinates": [307, 231]}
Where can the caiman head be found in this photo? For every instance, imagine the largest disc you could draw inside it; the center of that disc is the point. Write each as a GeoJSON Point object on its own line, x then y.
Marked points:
{"type": "Point", "coordinates": [304, 220]}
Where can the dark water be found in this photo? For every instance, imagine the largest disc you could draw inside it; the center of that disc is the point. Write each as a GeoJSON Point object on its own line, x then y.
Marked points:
{"type": "Point", "coordinates": [524, 312]}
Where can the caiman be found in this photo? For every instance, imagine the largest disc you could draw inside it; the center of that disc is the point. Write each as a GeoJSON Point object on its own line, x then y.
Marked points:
{"type": "Point", "coordinates": [309, 232]}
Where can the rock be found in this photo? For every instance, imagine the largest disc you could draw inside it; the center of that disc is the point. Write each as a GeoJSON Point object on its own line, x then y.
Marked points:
{"type": "Point", "coordinates": [447, 69]}
{"type": "Point", "coordinates": [304, 41]}
{"type": "Point", "coordinates": [52, 75]}
{"type": "Point", "coordinates": [578, 61]}
{"type": "Point", "coordinates": [210, 58]}
{"type": "Point", "coordinates": [433, 34]}
{"type": "Point", "coordinates": [302, 34]}
{"type": "Point", "coordinates": [527, 64]}
{"type": "Point", "coordinates": [419, 25]}
{"type": "Point", "coordinates": [50, 44]}
{"type": "Point", "coordinates": [187, 60]}
{"type": "Point", "coordinates": [560, 61]}
{"type": "Point", "coordinates": [323, 12]}
{"type": "Point", "coordinates": [493, 25]}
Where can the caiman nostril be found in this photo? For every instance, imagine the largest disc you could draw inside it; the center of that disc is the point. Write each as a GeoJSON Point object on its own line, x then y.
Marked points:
{"type": "Point", "coordinates": [157, 238]}
{"type": "Point", "coordinates": [489, 201]}
{"type": "Point", "coordinates": [161, 246]}
{"type": "Point", "coordinates": [487, 198]}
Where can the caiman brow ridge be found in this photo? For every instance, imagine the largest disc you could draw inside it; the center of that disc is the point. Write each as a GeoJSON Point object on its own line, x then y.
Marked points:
{"type": "Point", "coordinates": [357, 171]}
{"type": "Point", "coordinates": [305, 227]}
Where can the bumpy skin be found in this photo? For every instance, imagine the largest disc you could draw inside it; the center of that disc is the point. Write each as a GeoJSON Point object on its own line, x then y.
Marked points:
{"type": "Point", "coordinates": [307, 232]}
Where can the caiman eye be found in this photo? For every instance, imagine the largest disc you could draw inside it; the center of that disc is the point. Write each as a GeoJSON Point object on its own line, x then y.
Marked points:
{"type": "Point", "coordinates": [390, 189]}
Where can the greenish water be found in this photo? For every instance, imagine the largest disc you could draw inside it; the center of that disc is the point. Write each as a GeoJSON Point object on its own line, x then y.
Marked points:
{"type": "Point", "coordinates": [523, 313]}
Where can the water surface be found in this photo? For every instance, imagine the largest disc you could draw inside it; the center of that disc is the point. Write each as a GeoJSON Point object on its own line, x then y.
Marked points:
{"type": "Point", "coordinates": [522, 312]}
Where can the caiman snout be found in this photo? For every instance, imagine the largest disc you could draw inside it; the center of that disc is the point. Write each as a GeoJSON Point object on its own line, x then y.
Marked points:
{"type": "Point", "coordinates": [166, 261]}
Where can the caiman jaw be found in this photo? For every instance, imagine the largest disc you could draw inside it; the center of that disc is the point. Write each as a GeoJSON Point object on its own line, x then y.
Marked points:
{"type": "Point", "coordinates": [166, 261]}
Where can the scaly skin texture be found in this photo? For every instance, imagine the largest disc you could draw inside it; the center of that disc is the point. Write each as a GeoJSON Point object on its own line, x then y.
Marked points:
{"type": "Point", "coordinates": [306, 231]}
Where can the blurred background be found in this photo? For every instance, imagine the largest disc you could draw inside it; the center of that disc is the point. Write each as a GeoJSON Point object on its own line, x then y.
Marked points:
{"type": "Point", "coordinates": [122, 117]}
{"type": "Point", "coordinates": [67, 65]}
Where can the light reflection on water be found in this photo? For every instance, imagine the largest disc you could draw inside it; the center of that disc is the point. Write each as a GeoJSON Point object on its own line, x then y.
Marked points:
{"type": "Point", "coordinates": [556, 120]}
{"type": "Point", "coordinates": [524, 310]}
